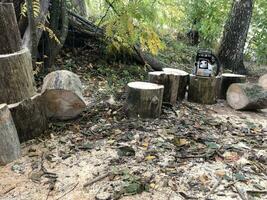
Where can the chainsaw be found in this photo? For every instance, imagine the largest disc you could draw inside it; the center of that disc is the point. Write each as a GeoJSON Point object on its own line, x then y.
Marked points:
{"type": "Point", "coordinates": [207, 64]}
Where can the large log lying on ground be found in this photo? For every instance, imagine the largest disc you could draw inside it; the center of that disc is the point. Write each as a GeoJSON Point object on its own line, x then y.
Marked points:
{"type": "Point", "coordinates": [62, 93]}
{"type": "Point", "coordinates": [247, 96]}
{"type": "Point", "coordinates": [263, 81]}
{"type": "Point", "coordinates": [183, 81]}
{"type": "Point", "coordinates": [29, 117]}
{"type": "Point", "coordinates": [16, 77]}
{"type": "Point", "coordinates": [144, 99]}
{"type": "Point", "coordinates": [227, 80]}
{"type": "Point", "coordinates": [10, 40]}
{"type": "Point", "coordinates": [170, 81]}
{"type": "Point", "coordinates": [9, 142]}
{"type": "Point", "coordinates": [203, 90]}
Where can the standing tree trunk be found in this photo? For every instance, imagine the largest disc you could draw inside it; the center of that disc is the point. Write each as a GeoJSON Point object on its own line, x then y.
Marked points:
{"type": "Point", "coordinates": [231, 51]}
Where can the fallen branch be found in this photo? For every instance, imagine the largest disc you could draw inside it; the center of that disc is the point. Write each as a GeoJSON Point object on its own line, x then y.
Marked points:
{"type": "Point", "coordinates": [99, 178]}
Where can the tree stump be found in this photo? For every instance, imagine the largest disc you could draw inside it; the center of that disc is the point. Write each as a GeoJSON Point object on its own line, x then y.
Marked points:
{"type": "Point", "coordinates": [9, 142]}
{"type": "Point", "coordinates": [203, 90]}
{"type": "Point", "coordinates": [247, 96]}
{"type": "Point", "coordinates": [16, 77]}
{"type": "Point", "coordinates": [10, 40]}
{"type": "Point", "coordinates": [263, 81]}
{"type": "Point", "coordinates": [144, 99]}
{"type": "Point", "coordinates": [227, 80]}
{"type": "Point", "coordinates": [170, 81]}
{"type": "Point", "coordinates": [62, 92]}
{"type": "Point", "coordinates": [183, 82]}
{"type": "Point", "coordinates": [29, 117]}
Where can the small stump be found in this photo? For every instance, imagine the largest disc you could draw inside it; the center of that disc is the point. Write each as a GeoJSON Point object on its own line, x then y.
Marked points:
{"type": "Point", "coordinates": [263, 81]}
{"type": "Point", "coordinates": [183, 81]}
{"type": "Point", "coordinates": [170, 81]}
{"type": "Point", "coordinates": [203, 89]}
{"type": "Point", "coordinates": [247, 96]}
{"type": "Point", "coordinates": [144, 99]}
{"type": "Point", "coordinates": [227, 80]}
{"type": "Point", "coordinates": [9, 142]}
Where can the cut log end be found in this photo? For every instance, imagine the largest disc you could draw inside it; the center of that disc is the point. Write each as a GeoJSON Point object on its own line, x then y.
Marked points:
{"type": "Point", "coordinates": [176, 71]}
{"type": "Point", "coordinates": [144, 100]}
{"type": "Point", "coordinates": [263, 81]}
{"type": "Point", "coordinates": [236, 97]}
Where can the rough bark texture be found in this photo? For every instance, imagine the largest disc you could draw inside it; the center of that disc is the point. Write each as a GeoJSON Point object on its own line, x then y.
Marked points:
{"type": "Point", "coordinates": [62, 92]}
{"type": "Point", "coordinates": [263, 81]}
{"type": "Point", "coordinates": [170, 82]}
{"type": "Point", "coordinates": [203, 90]}
{"type": "Point", "coordinates": [9, 142]}
{"type": "Point", "coordinates": [247, 96]}
{"type": "Point", "coordinates": [29, 117]}
{"type": "Point", "coordinates": [79, 7]}
{"type": "Point", "coordinates": [234, 37]}
{"type": "Point", "coordinates": [16, 77]}
{"type": "Point", "coordinates": [227, 80]}
{"type": "Point", "coordinates": [10, 40]}
{"type": "Point", "coordinates": [144, 100]}
{"type": "Point", "coordinates": [183, 82]}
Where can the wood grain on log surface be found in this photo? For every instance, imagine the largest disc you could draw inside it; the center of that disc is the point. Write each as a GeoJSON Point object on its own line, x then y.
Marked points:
{"type": "Point", "coordinates": [247, 96]}
{"type": "Point", "coordinates": [62, 91]}
{"type": "Point", "coordinates": [144, 99]}
{"type": "Point", "coordinates": [9, 142]}
{"type": "Point", "coordinates": [16, 77]}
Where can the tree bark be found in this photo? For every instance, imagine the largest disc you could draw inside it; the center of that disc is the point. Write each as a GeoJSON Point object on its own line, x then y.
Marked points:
{"type": "Point", "coordinates": [9, 142]}
{"type": "Point", "coordinates": [144, 100]}
{"type": "Point", "coordinates": [29, 117]}
{"type": "Point", "coordinates": [227, 80]}
{"type": "Point", "coordinates": [247, 96]}
{"type": "Point", "coordinates": [10, 41]}
{"type": "Point", "coordinates": [231, 51]}
{"type": "Point", "coordinates": [16, 77]}
{"type": "Point", "coordinates": [263, 81]}
{"type": "Point", "coordinates": [203, 90]}
{"type": "Point", "coordinates": [62, 93]}
{"type": "Point", "coordinates": [170, 81]}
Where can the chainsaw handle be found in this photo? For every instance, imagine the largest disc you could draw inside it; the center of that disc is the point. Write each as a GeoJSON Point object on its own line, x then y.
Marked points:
{"type": "Point", "coordinates": [218, 63]}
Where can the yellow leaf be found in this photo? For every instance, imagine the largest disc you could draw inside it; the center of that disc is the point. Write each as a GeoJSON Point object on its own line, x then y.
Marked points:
{"type": "Point", "coordinates": [148, 158]}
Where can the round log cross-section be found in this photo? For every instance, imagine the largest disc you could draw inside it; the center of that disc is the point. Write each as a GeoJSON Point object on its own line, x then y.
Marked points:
{"type": "Point", "coordinates": [263, 81]}
{"type": "Point", "coordinates": [183, 81]}
{"type": "Point", "coordinates": [62, 92]}
{"type": "Point", "coordinates": [144, 100]}
{"type": "Point", "coordinates": [247, 96]}
{"type": "Point", "coordinates": [203, 90]}
{"type": "Point", "coordinates": [227, 80]}
{"type": "Point", "coordinates": [16, 77]}
{"type": "Point", "coordinates": [170, 82]}
{"type": "Point", "coordinates": [9, 142]}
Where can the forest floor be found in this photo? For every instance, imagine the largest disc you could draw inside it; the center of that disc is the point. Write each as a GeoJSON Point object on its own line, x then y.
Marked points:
{"type": "Point", "coordinates": [191, 152]}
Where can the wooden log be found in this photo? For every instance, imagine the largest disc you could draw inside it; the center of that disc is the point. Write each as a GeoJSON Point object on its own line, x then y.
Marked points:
{"type": "Point", "coordinates": [263, 81]}
{"type": "Point", "coordinates": [144, 99]}
{"type": "Point", "coordinates": [227, 80]}
{"type": "Point", "coordinates": [247, 96]}
{"type": "Point", "coordinates": [170, 81]}
{"type": "Point", "coordinates": [10, 41]}
{"type": "Point", "coordinates": [183, 82]}
{"type": "Point", "coordinates": [203, 90]}
{"type": "Point", "coordinates": [62, 92]}
{"type": "Point", "coordinates": [16, 77]}
{"type": "Point", "coordinates": [9, 142]}
{"type": "Point", "coordinates": [29, 117]}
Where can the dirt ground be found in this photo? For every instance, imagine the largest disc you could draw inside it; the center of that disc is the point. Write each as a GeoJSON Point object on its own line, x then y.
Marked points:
{"type": "Point", "coordinates": [191, 152]}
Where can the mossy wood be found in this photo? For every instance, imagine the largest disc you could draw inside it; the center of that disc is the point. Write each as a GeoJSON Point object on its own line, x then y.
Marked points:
{"type": "Point", "coordinates": [227, 80]}
{"type": "Point", "coordinates": [183, 81]}
{"type": "Point", "coordinates": [29, 117]}
{"type": "Point", "coordinates": [62, 92]}
{"type": "Point", "coordinates": [16, 77]}
{"type": "Point", "coordinates": [144, 100]}
{"type": "Point", "coordinates": [203, 90]}
{"type": "Point", "coordinates": [247, 96]}
{"type": "Point", "coordinates": [170, 81]}
{"type": "Point", "coordinates": [9, 142]}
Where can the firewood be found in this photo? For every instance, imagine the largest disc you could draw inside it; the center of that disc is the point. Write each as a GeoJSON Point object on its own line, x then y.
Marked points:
{"type": "Point", "coordinates": [263, 81]}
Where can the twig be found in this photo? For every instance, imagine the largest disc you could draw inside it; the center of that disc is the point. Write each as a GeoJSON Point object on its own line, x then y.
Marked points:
{"type": "Point", "coordinates": [9, 189]}
{"type": "Point", "coordinates": [68, 191]}
{"type": "Point", "coordinates": [214, 188]}
{"type": "Point", "coordinates": [257, 191]}
{"type": "Point", "coordinates": [99, 178]}
{"type": "Point", "coordinates": [241, 193]}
